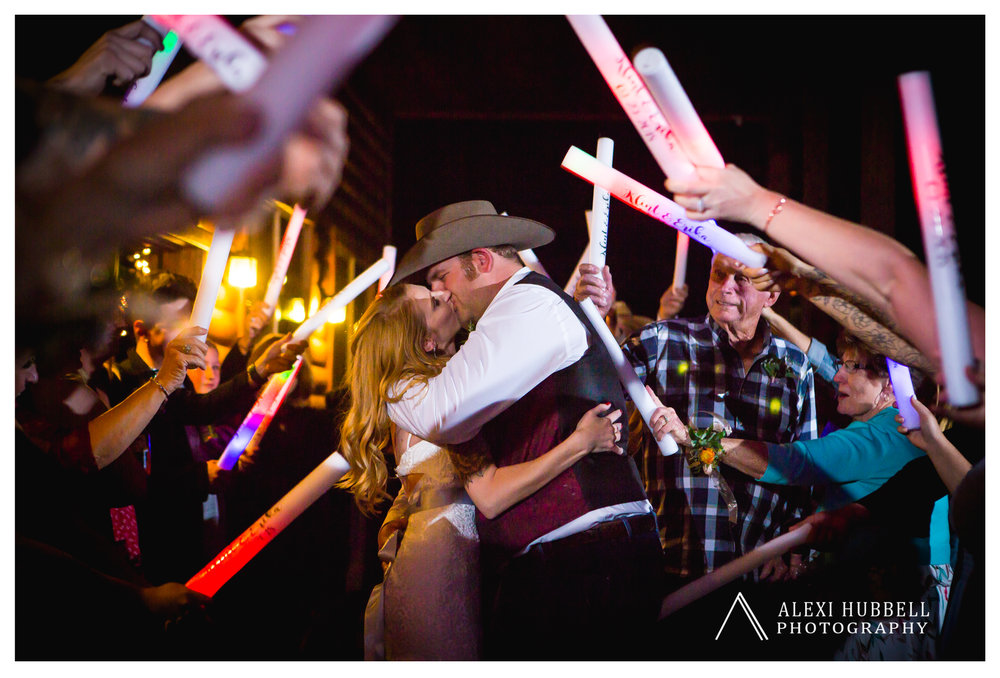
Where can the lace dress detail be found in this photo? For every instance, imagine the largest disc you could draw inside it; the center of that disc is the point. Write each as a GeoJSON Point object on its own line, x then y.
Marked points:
{"type": "Point", "coordinates": [432, 587]}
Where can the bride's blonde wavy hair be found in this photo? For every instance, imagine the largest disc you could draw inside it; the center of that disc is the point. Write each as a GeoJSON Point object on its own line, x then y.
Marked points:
{"type": "Point", "coordinates": [387, 358]}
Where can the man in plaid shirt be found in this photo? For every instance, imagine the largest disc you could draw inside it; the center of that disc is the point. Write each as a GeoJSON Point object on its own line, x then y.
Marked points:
{"type": "Point", "coordinates": [719, 365]}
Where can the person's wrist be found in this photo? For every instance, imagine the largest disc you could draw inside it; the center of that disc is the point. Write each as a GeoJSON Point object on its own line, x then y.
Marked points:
{"type": "Point", "coordinates": [163, 389]}
{"type": "Point", "coordinates": [255, 375]}
{"type": "Point", "coordinates": [763, 202]}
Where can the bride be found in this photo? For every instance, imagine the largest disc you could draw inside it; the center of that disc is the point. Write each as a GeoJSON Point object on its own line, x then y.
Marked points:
{"type": "Point", "coordinates": [430, 593]}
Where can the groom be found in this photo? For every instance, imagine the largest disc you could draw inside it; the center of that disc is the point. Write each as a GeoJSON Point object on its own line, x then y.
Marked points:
{"type": "Point", "coordinates": [574, 570]}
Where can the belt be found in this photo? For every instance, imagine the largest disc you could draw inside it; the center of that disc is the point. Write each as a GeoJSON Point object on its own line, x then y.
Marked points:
{"type": "Point", "coordinates": [616, 529]}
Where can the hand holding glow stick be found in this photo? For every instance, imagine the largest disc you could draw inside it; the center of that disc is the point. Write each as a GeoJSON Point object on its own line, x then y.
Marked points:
{"type": "Point", "coordinates": [575, 278]}
{"type": "Point", "coordinates": [718, 578]}
{"type": "Point", "coordinates": [388, 254]}
{"type": "Point", "coordinates": [600, 213]}
{"type": "Point", "coordinates": [341, 299]}
{"type": "Point", "coordinates": [930, 186]}
{"type": "Point", "coordinates": [626, 374]}
{"type": "Point", "coordinates": [288, 243]}
{"type": "Point", "coordinates": [646, 200]}
{"type": "Point", "coordinates": [315, 61]}
{"type": "Point", "coordinates": [232, 558]}
{"type": "Point", "coordinates": [531, 261]}
{"type": "Point", "coordinates": [211, 278]}
{"type": "Point", "coordinates": [632, 94]}
{"type": "Point", "coordinates": [902, 387]}
{"type": "Point", "coordinates": [144, 86]}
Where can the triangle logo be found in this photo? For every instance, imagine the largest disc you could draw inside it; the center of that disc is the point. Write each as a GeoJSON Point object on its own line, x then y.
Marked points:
{"type": "Point", "coordinates": [758, 629]}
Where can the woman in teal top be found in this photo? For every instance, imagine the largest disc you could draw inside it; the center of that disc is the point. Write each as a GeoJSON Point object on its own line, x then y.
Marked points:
{"type": "Point", "coordinates": [849, 463]}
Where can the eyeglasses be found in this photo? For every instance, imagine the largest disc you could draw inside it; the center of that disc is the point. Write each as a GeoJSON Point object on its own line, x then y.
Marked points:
{"type": "Point", "coordinates": [850, 366]}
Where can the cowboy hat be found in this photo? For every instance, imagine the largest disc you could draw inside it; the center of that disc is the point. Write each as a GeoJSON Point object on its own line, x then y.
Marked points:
{"type": "Point", "coordinates": [464, 226]}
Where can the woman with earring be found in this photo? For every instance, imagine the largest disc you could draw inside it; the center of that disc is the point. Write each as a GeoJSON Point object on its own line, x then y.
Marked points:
{"type": "Point", "coordinates": [430, 593]}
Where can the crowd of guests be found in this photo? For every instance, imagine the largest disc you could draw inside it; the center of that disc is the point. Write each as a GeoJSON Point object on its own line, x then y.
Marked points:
{"type": "Point", "coordinates": [523, 509]}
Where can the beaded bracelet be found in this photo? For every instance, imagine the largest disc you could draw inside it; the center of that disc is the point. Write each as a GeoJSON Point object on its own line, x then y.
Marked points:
{"type": "Point", "coordinates": [775, 211]}
{"type": "Point", "coordinates": [159, 386]}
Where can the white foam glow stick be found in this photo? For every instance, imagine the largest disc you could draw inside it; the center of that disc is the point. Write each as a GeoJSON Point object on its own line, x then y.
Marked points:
{"type": "Point", "coordinates": [144, 86]}
{"type": "Point", "coordinates": [288, 243]}
{"type": "Point", "coordinates": [675, 105]}
{"type": "Point", "coordinates": [626, 374]}
{"type": "Point", "coordinates": [632, 94]}
{"type": "Point", "coordinates": [648, 201]}
{"type": "Point", "coordinates": [902, 387]}
{"type": "Point", "coordinates": [930, 186]}
{"type": "Point", "coordinates": [600, 213]}
{"type": "Point", "coordinates": [211, 278]}
{"type": "Point", "coordinates": [388, 254]}
{"type": "Point", "coordinates": [323, 52]}
{"type": "Point", "coordinates": [718, 578]}
{"type": "Point", "coordinates": [532, 262]}
{"type": "Point", "coordinates": [219, 46]}
{"type": "Point", "coordinates": [352, 290]}
{"type": "Point", "coordinates": [242, 550]}
{"type": "Point", "coordinates": [575, 278]}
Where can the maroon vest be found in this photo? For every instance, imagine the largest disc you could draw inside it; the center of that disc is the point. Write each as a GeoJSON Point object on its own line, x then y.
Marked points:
{"type": "Point", "coordinates": [539, 421]}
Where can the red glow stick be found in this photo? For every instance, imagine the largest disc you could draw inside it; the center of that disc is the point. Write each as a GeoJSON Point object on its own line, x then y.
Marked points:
{"type": "Point", "coordinates": [288, 243]}
{"type": "Point", "coordinates": [930, 186]}
{"type": "Point", "coordinates": [242, 550]}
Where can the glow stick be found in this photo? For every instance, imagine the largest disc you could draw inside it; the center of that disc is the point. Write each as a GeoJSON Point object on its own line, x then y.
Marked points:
{"type": "Point", "coordinates": [242, 550]}
{"type": "Point", "coordinates": [745, 564]}
{"type": "Point", "coordinates": [532, 262]}
{"type": "Point", "coordinates": [626, 374]}
{"type": "Point", "coordinates": [254, 425]}
{"type": "Point", "coordinates": [646, 200]}
{"type": "Point", "coordinates": [144, 86]}
{"type": "Point", "coordinates": [676, 107]}
{"type": "Point", "coordinates": [341, 299]}
{"type": "Point", "coordinates": [600, 213]}
{"type": "Point", "coordinates": [219, 46]}
{"type": "Point", "coordinates": [288, 243]}
{"type": "Point", "coordinates": [673, 101]}
{"type": "Point", "coordinates": [632, 94]}
{"type": "Point", "coordinates": [902, 387]}
{"type": "Point", "coordinates": [314, 62]}
{"type": "Point", "coordinates": [211, 278]}
{"type": "Point", "coordinates": [575, 278]}
{"type": "Point", "coordinates": [388, 254]}
{"type": "Point", "coordinates": [930, 186]}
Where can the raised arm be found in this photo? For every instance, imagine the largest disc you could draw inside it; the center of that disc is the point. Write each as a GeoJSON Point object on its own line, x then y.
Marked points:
{"type": "Point", "coordinates": [494, 490]}
{"type": "Point", "coordinates": [870, 264]}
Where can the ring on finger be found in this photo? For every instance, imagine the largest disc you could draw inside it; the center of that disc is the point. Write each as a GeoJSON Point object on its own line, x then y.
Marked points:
{"type": "Point", "coordinates": [186, 348]}
{"type": "Point", "coordinates": [701, 204]}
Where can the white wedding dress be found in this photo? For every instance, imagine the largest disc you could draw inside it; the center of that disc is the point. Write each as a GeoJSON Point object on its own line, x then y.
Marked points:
{"type": "Point", "coordinates": [431, 590]}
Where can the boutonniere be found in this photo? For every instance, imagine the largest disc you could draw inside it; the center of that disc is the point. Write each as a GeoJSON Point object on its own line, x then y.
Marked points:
{"type": "Point", "coordinates": [776, 367]}
{"type": "Point", "coordinates": [705, 452]}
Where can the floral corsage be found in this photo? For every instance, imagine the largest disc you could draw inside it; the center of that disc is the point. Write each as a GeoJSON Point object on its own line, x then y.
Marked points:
{"type": "Point", "coordinates": [776, 367]}
{"type": "Point", "coordinates": [705, 452]}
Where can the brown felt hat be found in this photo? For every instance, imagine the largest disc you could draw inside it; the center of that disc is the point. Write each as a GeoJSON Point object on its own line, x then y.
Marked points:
{"type": "Point", "coordinates": [464, 226]}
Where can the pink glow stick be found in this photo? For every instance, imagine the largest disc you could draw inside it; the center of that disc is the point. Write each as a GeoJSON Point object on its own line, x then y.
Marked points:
{"type": "Point", "coordinates": [632, 94]}
{"type": "Point", "coordinates": [219, 46]}
{"type": "Point", "coordinates": [242, 550]}
{"type": "Point", "coordinates": [389, 255]}
{"type": "Point", "coordinates": [648, 201]}
{"type": "Point", "coordinates": [341, 299]}
{"type": "Point", "coordinates": [288, 243]}
{"type": "Point", "coordinates": [600, 213]}
{"type": "Point", "coordinates": [211, 278]}
{"type": "Point", "coordinates": [930, 186]}
{"type": "Point", "coordinates": [626, 374]}
{"type": "Point", "coordinates": [323, 52]}
{"type": "Point", "coordinates": [745, 564]}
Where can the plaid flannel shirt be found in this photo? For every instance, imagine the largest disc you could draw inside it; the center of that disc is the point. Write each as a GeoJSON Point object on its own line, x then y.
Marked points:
{"type": "Point", "coordinates": [692, 368]}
